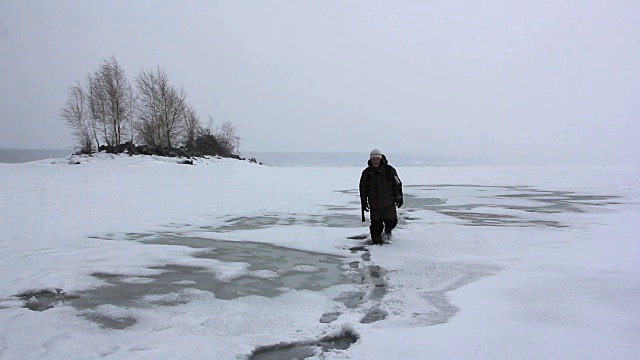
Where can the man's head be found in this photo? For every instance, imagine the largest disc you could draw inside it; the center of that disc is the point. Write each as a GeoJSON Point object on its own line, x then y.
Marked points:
{"type": "Point", "coordinates": [376, 157]}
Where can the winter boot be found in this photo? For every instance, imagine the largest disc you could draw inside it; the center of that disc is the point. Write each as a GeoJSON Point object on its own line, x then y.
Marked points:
{"type": "Point", "coordinates": [376, 239]}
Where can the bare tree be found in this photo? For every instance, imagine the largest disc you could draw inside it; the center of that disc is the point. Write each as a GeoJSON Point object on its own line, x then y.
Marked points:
{"type": "Point", "coordinates": [226, 136]}
{"type": "Point", "coordinates": [97, 108]}
{"type": "Point", "coordinates": [111, 97]}
{"type": "Point", "coordinates": [161, 109]}
{"type": "Point", "coordinates": [132, 103]}
{"type": "Point", "coordinates": [191, 127]}
{"type": "Point", "coordinates": [148, 122]}
{"type": "Point", "coordinates": [76, 118]}
{"type": "Point", "coordinates": [110, 104]}
{"type": "Point", "coordinates": [118, 95]}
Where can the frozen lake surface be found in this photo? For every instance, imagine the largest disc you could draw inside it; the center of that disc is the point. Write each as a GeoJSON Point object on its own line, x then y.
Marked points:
{"type": "Point", "coordinates": [219, 260]}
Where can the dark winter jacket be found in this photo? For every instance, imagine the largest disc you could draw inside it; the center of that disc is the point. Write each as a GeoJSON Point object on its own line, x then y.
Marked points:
{"type": "Point", "coordinates": [380, 186]}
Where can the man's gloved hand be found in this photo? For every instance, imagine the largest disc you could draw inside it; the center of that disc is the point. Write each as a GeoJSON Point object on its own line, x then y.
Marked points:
{"type": "Point", "coordinates": [364, 204]}
{"type": "Point", "coordinates": [399, 202]}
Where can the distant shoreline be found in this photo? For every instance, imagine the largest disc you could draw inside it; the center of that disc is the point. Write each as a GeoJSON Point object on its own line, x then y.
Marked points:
{"type": "Point", "coordinates": [316, 159]}
{"type": "Point", "coordinates": [14, 156]}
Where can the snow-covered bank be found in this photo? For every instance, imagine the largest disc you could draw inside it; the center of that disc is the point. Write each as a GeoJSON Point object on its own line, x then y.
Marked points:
{"type": "Point", "coordinates": [487, 263]}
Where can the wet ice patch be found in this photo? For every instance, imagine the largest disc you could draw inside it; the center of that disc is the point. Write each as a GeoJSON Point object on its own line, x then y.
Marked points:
{"type": "Point", "coordinates": [351, 299]}
{"type": "Point", "coordinates": [164, 299]}
{"type": "Point", "coordinates": [302, 268]}
{"type": "Point", "coordinates": [233, 270]}
{"type": "Point", "coordinates": [374, 314]}
{"type": "Point", "coordinates": [228, 271]}
{"type": "Point", "coordinates": [184, 282]}
{"type": "Point", "coordinates": [329, 317]}
{"type": "Point", "coordinates": [436, 280]}
{"type": "Point", "coordinates": [136, 280]}
{"type": "Point", "coordinates": [359, 236]}
{"type": "Point", "coordinates": [11, 303]}
{"type": "Point", "coordinates": [520, 206]}
{"type": "Point", "coordinates": [306, 349]}
{"type": "Point", "coordinates": [42, 299]}
{"type": "Point", "coordinates": [111, 317]}
{"type": "Point", "coordinates": [333, 219]}
{"type": "Point", "coordinates": [264, 274]}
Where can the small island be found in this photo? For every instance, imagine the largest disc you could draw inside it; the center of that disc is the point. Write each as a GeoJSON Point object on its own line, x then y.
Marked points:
{"type": "Point", "coordinates": [107, 112]}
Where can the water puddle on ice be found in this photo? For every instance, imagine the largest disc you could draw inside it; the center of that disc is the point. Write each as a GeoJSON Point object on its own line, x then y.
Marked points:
{"type": "Point", "coordinates": [510, 205]}
{"type": "Point", "coordinates": [266, 270]}
{"type": "Point", "coordinates": [44, 299]}
{"type": "Point", "coordinates": [343, 217]}
{"type": "Point", "coordinates": [271, 269]}
{"type": "Point", "coordinates": [306, 349]}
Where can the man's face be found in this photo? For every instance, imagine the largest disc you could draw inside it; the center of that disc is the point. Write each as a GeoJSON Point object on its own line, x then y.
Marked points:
{"type": "Point", "coordinates": [375, 161]}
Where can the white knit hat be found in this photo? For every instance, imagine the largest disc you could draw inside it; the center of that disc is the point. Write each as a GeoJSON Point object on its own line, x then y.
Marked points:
{"type": "Point", "coordinates": [375, 153]}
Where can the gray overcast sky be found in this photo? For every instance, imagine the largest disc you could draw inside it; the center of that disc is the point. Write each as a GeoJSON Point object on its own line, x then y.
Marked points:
{"type": "Point", "coordinates": [521, 80]}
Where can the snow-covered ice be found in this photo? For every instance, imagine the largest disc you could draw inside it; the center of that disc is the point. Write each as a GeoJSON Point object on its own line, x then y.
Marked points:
{"type": "Point", "coordinates": [487, 263]}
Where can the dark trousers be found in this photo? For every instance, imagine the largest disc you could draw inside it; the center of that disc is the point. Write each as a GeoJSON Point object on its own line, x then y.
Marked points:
{"type": "Point", "coordinates": [382, 219]}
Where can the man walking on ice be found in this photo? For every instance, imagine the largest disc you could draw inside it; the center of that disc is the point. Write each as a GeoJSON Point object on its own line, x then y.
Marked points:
{"type": "Point", "coordinates": [380, 192]}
